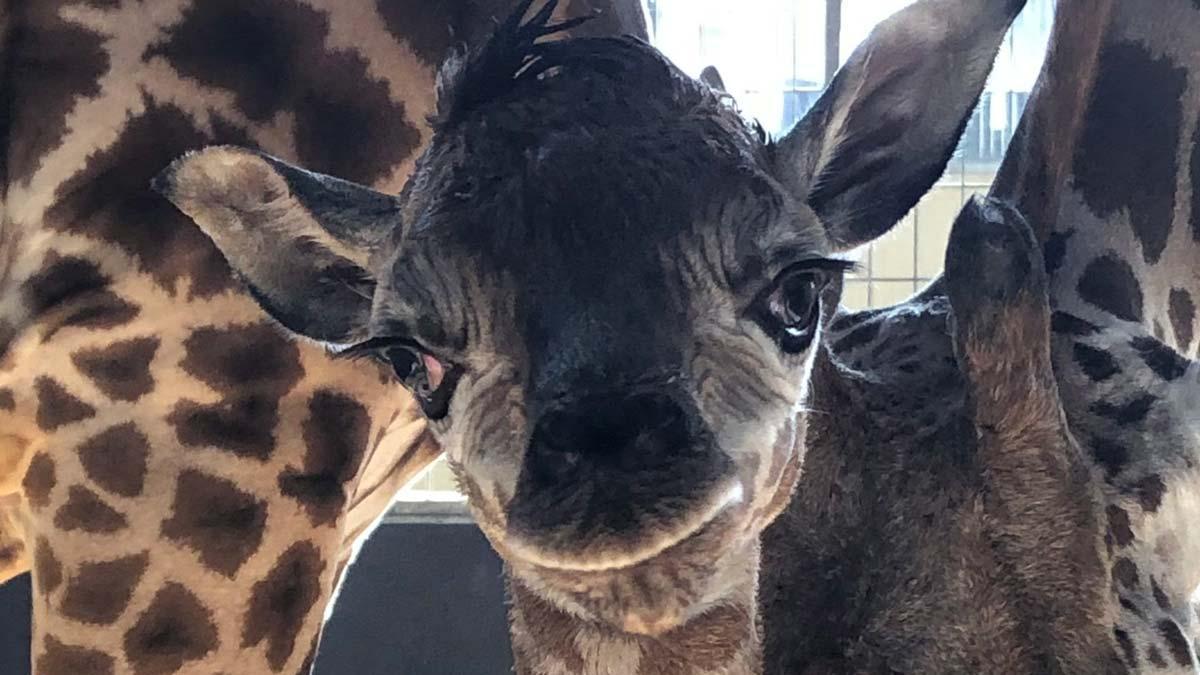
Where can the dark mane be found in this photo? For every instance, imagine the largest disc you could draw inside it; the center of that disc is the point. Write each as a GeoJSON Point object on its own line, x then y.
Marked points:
{"type": "Point", "coordinates": [517, 60]}
{"type": "Point", "coordinates": [470, 80]}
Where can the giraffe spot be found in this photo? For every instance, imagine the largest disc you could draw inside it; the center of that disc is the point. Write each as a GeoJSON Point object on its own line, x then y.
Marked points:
{"type": "Point", "coordinates": [47, 570]}
{"type": "Point", "coordinates": [858, 337]}
{"type": "Point", "coordinates": [85, 511]}
{"type": "Point", "coordinates": [1097, 364]}
{"type": "Point", "coordinates": [1127, 647]}
{"type": "Point", "coordinates": [335, 437]}
{"type": "Point", "coordinates": [100, 591]}
{"type": "Point", "coordinates": [1109, 284]}
{"type": "Point", "coordinates": [120, 370]}
{"type": "Point", "coordinates": [1069, 324]}
{"type": "Point", "coordinates": [9, 553]}
{"type": "Point", "coordinates": [428, 34]}
{"type": "Point", "coordinates": [1160, 598]}
{"type": "Point", "coordinates": [1126, 414]}
{"type": "Point", "coordinates": [109, 200]}
{"type": "Point", "coordinates": [1177, 644]}
{"type": "Point", "coordinates": [1182, 313]}
{"type": "Point", "coordinates": [57, 657]}
{"type": "Point", "coordinates": [7, 400]}
{"type": "Point", "coordinates": [253, 366]}
{"type": "Point", "coordinates": [1055, 250]}
{"type": "Point", "coordinates": [57, 407]}
{"type": "Point", "coordinates": [62, 279]}
{"type": "Point", "coordinates": [280, 603]}
{"type": "Point", "coordinates": [175, 629]}
{"type": "Point", "coordinates": [212, 517]}
{"type": "Point", "coordinates": [100, 311]}
{"type": "Point", "coordinates": [1125, 572]}
{"type": "Point", "coordinates": [115, 459]}
{"type": "Point", "coordinates": [69, 60]}
{"type": "Point", "coordinates": [1164, 361]}
{"type": "Point", "coordinates": [1156, 657]}
{"type": "Point", "coordinates": [40, 479]}
{"type": "Point", "coordinates": [1118, 525]}
{"type": "Point", "coordinates": [1116, 170]}
{"type": "Point", "coordinates": [1159, 332]}
{"type": "Point", "coordinates": [1149, 491]}
{"type": "Point", "coordinates": [346, 122]}
{"type": "Point", "coordinates": [1110, 454]}
{"type": "Point", "coordinates": [1131, 608]}
{"type": "Point", "coordinates": [1196, 172]}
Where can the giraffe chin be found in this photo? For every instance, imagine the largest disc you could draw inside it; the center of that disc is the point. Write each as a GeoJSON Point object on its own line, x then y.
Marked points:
{"type": "Point", "coordinates": [658, 594]}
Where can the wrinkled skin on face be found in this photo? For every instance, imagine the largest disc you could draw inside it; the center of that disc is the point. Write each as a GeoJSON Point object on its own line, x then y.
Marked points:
{"type": "Point", "coordinates": [604, 286]}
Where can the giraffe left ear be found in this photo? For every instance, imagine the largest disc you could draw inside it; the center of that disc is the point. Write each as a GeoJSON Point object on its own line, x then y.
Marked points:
{"type": "Point", "coordinates": [886, 127]}
{"type": "Point", "coordinates": [301, 241]}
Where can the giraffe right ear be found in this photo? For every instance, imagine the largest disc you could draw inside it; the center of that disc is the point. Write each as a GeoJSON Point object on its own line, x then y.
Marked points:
{"type": "Point", "coordinates": [300, 241]}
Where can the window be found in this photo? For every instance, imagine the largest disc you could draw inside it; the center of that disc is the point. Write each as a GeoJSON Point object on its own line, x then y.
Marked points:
{"type": "Point", "coordinates": [776, 56]}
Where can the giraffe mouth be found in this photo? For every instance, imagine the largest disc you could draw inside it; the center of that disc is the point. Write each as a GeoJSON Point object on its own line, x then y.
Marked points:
{"type": "Point", "coordinates": [612, 557]}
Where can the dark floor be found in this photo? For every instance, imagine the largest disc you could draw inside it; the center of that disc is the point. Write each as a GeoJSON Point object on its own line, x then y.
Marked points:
{"type": "Point", "coordinates": [422, 599]}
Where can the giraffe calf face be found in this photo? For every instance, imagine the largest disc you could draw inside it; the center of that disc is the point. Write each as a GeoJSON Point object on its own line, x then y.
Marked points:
{"type": "Point", "coordinates": [603, 287]}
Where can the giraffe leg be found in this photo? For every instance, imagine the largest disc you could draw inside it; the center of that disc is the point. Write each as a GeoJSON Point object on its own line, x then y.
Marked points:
{"type": "Point", "coordinates": [1038, 492]}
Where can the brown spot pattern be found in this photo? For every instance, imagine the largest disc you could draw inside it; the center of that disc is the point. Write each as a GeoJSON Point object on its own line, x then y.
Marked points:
{"type": "Point", "coordinates": [57, 658]}
{"type": "Point", "coordinates": [104, 310]}
{"type": "Point", "coordinates": [57, 407]}
{"type": "Point", "coordinates": [63, 279]}
{"type": "Point", "coordinates": [1118, 525]}
{"type": "Point", "coordinates": [110, 199]}
{"type": "Point", "coordinates": [1177, 644]}
{"type": "Point", "coordinates": [120, 370]}
{"type": "Point", "coordinates": [115, 459]}
{"type": "Point", "coordinates": [273, 60]}
{"type": "Point", "coordinates": [7, 400]}
{"type": "Point", "coordinates": [212, 517]}
{"type": "Point", "coordinates": [335, 437]}
{"type": "Point", "coordinates": [253, 367]}
{"type": "Point", "coordinates": [1182, 312]}
{"type": "Point", "coordinates": [1156, 657]}
{"type": "Point", "coordinates": [175, 629]}
{"type": "Point", "coordinates": [1150, 491]}
{"type": "Point", "coordinates": [280, 603]}
{"type": "Point", "coordinates": [79, 285]}
{"type": "Point", "coordinates": [100, 591]}
{"type": "Point", "coordinates": [1125, 572]}
{"type": "Point", "coordinates": [46, 567]}
{"type": "Point", "coordinates": [1115, 169]}
{"type": "Point", "coordinates": [39, 480]}
{"type": "Point", "coordinates": [85, 511]}
{"type": "Point", "coordinates": [10, 552]}
{"type": "Point", "coordinates": [1160, 597]}
{"type": "Point", "coordinates": [68, 61]}
{"type": "Point", "coordinates": [1127, 647]}
{"type": "Point", "coordinates": [1196, 172]}
{"type": "Point", "coordinates": [427, 33]}
{"type": "Point", "coordinates": [1109, 283]}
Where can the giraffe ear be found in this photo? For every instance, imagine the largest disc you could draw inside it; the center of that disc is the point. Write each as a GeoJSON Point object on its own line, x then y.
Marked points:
{"type": "Point", "coordinates": [300, 241]}
{"type": "Point", "coordinates": [712, 77]}
{"type": "Point", "coordinates": [886, 127]}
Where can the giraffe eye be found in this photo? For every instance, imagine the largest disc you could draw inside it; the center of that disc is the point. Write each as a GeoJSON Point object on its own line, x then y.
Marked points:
{"type": "Point", "coordinates": [429, 379]}
{"type": "Point", "coordinates": [789, 309]}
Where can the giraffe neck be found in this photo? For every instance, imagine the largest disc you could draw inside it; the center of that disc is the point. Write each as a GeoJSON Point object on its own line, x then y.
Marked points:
{"type": "Point", "coordinates": [724, 639]}
{"type": "Point", "coordinates": [1105, 162]}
